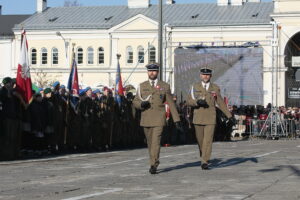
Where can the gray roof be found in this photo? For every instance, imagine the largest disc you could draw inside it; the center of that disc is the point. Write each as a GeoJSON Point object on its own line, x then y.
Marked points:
{"type": "Point", "coordinates": [105, 17]}
{"type": "Point", "coordinates": [8, 22]}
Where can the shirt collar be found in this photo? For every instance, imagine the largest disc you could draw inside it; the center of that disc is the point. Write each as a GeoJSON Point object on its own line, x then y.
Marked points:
{"type": "Point", "coordinates": [207, 84]}
{"type": "Point", "coordinates": [155, 82]}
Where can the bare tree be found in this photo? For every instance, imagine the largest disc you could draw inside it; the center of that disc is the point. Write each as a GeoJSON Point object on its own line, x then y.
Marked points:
{"type": "Point", "coordinates": [43, 79]}
{"type": "Point", "coordinates": [70, 3]}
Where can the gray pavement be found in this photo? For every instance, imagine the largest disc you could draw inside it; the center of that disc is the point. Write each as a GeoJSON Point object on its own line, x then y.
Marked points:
{"type": "Point", "coordinates": [257, 169]}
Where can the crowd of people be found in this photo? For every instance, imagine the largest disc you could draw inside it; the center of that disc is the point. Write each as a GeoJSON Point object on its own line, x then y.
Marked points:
{"type": "Point", "coordinates": [54, 122]}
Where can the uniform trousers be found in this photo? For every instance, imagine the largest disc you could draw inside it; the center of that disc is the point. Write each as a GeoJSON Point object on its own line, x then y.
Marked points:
{"type": "Point", "coordinates": [205, 135]}
{"type": "Point", "coordinates": [153, 136]}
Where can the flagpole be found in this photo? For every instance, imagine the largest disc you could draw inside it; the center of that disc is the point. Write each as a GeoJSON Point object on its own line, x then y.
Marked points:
{"type": "Point", "coordinates": [68, 103]}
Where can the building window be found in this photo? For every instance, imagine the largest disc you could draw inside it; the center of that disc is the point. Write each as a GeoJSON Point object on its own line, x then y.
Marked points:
{"type": "Point", "coordinates": [129, 55]}
{"type": "Point", "coordinates": [54, 56]}
{"type": "Point", "coordinates": [44, 56]}
{"type": "Point", "coordinates": [152, 54]}
{"type": "Point", "coordinates": [90, 56]}
{"type": "Point", "coordinates": [33, 56]}
{"type": "Point", "coordinates": [79, 57]}
{"type": "Point", "coordinates": [141, 54]}
{"type": "Point", "coordinates": [100, 55]}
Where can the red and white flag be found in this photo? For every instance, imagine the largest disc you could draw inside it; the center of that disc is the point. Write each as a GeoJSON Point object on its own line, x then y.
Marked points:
{"type": "Point", "coordinates": [23, 75]}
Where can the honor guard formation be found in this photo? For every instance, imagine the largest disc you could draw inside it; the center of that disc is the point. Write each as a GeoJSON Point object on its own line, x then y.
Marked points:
{"type": "Point", "coordinates": [57, 122]}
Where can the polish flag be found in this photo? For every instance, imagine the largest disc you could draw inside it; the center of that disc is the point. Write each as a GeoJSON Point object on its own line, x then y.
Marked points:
{"type": "Point", "coordinates": [23, 75]}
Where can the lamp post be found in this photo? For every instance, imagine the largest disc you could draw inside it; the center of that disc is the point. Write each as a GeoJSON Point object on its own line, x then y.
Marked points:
{"type": "Point", "coordinates": [66, 43]}
{"type": "Point", "coordinates": [160, 39]}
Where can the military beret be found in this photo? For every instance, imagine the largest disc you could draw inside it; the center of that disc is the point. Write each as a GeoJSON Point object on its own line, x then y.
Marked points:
{"type": "Point", "coordinates": [152, 67]}
{"type": "Point", "coordinates": [96, 91]}
{"type": "Point", "coordinates": [63, 87]}
{"type": "Point", "coordinates": [206, 71]}
{"type": "Point", "coordinates": [81, 92]}
{"type": "Point", "coordinates": [6, 80]}
{"type": "Point", "coordinates": [87, 89]}
{"type": "Point", "coordinates": [56, 83]}
{"type": "Point", "coordinates": [47, 90]}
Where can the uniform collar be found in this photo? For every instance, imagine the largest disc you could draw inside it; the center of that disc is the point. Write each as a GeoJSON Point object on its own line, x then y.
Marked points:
{"type": "Point", "coordinates": [155, 82]}
{"type": "Point", "coordinates": [207, 85]}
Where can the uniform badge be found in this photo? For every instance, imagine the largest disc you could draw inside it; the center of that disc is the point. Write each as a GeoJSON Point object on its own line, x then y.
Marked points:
{"type": "Point", "coordinates": [214, 94]}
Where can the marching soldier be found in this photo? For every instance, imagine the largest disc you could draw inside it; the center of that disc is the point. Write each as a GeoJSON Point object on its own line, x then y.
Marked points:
{"type": "Point", "coordinates": [150, 99]}
{"type": "Point", "coordinates": [204, 98]}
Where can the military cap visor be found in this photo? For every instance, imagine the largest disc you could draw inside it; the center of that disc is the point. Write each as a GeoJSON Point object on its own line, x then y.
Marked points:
{"type": "Point", "coordinates": [206, 71]}
{"type": "Point", "coordinates": [6, 80]}
{"type": "Point", "coordinates": [152, 67]}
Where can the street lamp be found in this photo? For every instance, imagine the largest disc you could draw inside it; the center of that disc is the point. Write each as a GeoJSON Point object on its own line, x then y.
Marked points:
{"type": "Point", "coordinates": [66, 46]}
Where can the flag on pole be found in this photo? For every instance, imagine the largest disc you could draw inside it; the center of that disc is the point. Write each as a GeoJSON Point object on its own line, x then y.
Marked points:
{"type": "Point", "coordinates": [24, 86]}
{"type": "Point", "coordinates": [119, 91]}
{"type": "Point", "coordinates": [73, 79]}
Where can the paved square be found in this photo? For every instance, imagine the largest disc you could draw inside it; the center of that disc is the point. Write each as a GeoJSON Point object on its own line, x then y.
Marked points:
{"type": "Point", "coordinates": [257, 169]}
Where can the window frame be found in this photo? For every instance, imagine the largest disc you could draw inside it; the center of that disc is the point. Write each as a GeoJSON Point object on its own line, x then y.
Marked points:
{"type": "Point", "coordinates": [52, 56]}
{"type": "Point", "coordinates": [90, 52]}
{"type": "Point", "coordinates": [43, 56]}
{"type": "Point", "coordinates": [77, 56]}
{"type": "Point", "coordinates": [141, 49]}
{"type": "Point", "coordinates": [129, 53]}
{"type": "Point", "coordinates": [100, 51]}
{"type": "Point", "coordinates": [151, 47]}
{"type": "Point", "coordinates": [31, 56]}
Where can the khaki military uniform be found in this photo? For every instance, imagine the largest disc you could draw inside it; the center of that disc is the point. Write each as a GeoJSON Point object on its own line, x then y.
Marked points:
{"type": "Point", "coordinates": [205, 118]}
{"type": "Point", "coordinates": [153, 119]}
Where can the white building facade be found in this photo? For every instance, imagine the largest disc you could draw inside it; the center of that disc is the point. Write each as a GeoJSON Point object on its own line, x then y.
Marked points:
{"type": "Point", "coordinates": [98, 34]}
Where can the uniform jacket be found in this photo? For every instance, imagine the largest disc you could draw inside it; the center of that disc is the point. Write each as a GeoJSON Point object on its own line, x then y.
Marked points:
{"type": "Point", "coordinates": [156, 114]}
{"type": "Point", "coordinates": [207, 116]}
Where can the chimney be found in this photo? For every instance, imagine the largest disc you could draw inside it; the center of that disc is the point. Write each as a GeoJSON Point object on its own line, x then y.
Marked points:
{"type": "Point", "coordinates": [138, 3]}
{"type": "Point", "coordinates": [223, 2]}
{"type": "Point", "coordinates": [0, 10]}
{"type": "Point", "coordinates": [41, 5]}
{"type": "Point", "coordinates": [169, 2]}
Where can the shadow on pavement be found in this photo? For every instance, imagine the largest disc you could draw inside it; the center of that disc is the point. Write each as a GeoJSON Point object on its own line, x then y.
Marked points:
{"type": "Point", "coordinates": [215, 163]}
{"type": "Point", "coordinates": [219, 163]}
{"type": "Point", "coordinates": [186, 165]}
{"type": "Point", "coordinates": [294, 169]}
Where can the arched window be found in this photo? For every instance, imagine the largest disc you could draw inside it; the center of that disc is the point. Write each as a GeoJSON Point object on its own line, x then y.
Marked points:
{"type": "Point", "coordinates": [141, 54]}
{"type": "Point", "coordinates": [79, 56]}
{"type": "Point", "coordinates": [54, 56]}
{"type": "Point", "coordinates": [100, 55]}
{"type": "Point", "coordinates": [33, 56]}
{"type": "Point", "coordinates": [44, 56]}
{"type": "Point", "coordinates": [129, 55]}
{"type": "Point", "coordinates": [152, 54]}
{"type": "Point", "coordinates": [90, 56]}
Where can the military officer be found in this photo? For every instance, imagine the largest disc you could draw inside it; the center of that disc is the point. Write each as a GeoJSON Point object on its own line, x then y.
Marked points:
{"type": "Point", "coordinates": [150, 99]}
{"type": "Point", "coordinates": [204, 98]}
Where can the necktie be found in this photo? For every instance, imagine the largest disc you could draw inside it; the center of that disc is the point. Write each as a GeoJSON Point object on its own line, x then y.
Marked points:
{"type": "Point", "coordinates": [205, 87]}
{"type": "Point", "coordinates": [152, 83]}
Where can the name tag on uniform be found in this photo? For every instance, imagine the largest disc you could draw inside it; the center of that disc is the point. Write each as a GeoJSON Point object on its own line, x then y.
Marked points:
{"type": "Point", "coordinates": [146, 90]}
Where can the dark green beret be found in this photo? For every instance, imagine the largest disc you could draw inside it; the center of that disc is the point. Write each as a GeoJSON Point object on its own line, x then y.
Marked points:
{"type": "Point", "coordinates": [47, 90]}
{"type": "Point", "coordinates": [6, 80]}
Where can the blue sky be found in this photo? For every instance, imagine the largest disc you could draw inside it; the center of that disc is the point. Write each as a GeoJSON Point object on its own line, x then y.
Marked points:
{"type": "Point", "coordinates": [29, 6]}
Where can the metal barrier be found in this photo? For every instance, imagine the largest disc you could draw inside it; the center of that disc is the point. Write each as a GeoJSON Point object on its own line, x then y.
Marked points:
{"type": "Point", "coordinates": [262, 129]}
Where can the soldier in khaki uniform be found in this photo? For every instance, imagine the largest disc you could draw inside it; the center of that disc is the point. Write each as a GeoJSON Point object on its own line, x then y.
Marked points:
{"type": "Point", "coordinates": [204, 98]}
{"type": "Point", "coordinates": [150, 99]}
